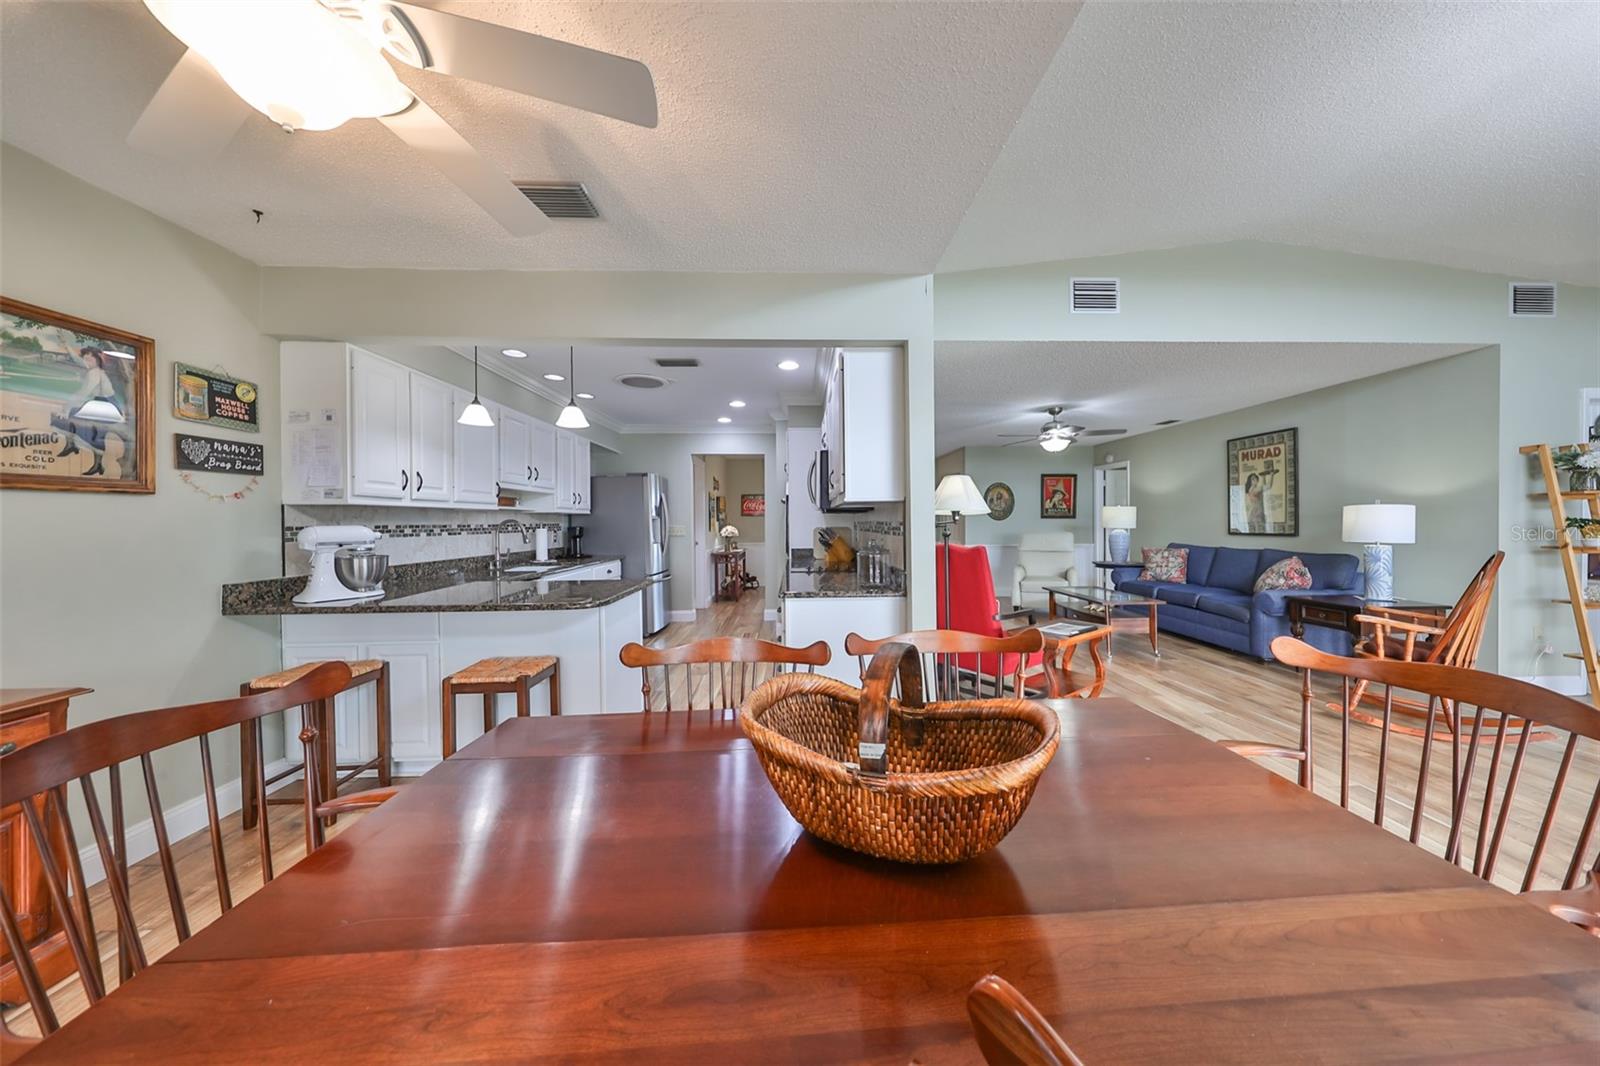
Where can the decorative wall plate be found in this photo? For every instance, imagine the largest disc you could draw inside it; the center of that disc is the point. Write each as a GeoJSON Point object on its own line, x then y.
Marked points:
{"type": "Point", "coordinates": [1001, 500]}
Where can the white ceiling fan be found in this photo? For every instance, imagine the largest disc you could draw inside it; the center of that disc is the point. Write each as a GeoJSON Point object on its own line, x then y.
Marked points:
{"type": "Point", "coordinates": [316, 64]}
{"type": "Point", "coordinates": [1053, 436]}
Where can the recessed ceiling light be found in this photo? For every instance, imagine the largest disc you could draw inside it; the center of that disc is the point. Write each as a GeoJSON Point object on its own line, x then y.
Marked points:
{"type": "Point", "coordinates": [585, 395]}
{"type": "Point", "coordinates": [555, 377]}
{"type": "Point", "coordinates": [735, 403]}
{"type": "Point", "coordinates": [513, 353]}
{"type": "Point", "coordinates": [788, 364]}
{"type": "Point", "coordinates": [724, 420]}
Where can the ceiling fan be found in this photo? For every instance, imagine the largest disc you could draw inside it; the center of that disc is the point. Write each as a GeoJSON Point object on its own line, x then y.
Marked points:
{"type": "Point", "coordinates": [316, 64]}
{"type": "Point", "coordinates": [1053, 436]}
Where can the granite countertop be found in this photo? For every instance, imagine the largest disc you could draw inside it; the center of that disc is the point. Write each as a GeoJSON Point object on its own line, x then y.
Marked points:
{"type": "Point", "coordinates": [838, 583]}
{"type": "Point", "coordinates": [450, 585]}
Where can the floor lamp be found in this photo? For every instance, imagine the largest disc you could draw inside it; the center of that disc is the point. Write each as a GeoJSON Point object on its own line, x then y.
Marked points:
{"type": "Point", "coordinates": [956, 495]}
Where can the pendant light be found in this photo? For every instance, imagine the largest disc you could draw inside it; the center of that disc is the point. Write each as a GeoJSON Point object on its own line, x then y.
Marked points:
{"type": "Point", "coordinates": [572, 415]}
{"type": "Point", "coordinates": [475, 414]}
{"type": "Point", "coordinates": [99, 409]}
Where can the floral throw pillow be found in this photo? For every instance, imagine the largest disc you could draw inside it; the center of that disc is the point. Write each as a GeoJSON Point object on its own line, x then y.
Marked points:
{"type": "Point", "coordinates": [1288, 573]}
{"type": "Point", "coordinates": [1165, 564]}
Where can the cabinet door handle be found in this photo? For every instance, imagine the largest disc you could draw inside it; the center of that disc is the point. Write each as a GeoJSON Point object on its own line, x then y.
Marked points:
{"type": "Point", "coordinates": [419, 481]}
{"type": "Point", "coordinates": [405, 481]}
{"type": "Point", "coordinates": [533, 473]}
{"type": "Point", "coordinates": [8, 747]}
{"type": "Point", "coordinates": [530, 473]}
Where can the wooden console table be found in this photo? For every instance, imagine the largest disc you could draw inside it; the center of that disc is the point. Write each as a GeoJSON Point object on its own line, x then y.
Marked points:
{"type": "Point", "coordinates": [727, 574]}
{"type": "Point", "coordinates": [27, 716]}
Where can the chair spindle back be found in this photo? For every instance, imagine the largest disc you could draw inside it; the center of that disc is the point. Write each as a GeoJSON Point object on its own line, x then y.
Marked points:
{"type": "Point", "coordinates": [960, 665]}
{"type": "Point", "coordinates": [716, 674]}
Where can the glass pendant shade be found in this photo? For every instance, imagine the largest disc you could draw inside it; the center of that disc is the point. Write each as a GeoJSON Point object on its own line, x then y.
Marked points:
{"type": "Point", "coordinates": [1055, 443]}
{"type": "Point", "coordinates": [475, 414]}
{"type": "Point", "coordinates": [572, 416]}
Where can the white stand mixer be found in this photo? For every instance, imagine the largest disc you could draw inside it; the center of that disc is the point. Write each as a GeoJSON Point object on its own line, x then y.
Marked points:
{"type": "Point", "coordinates": [323, 542]}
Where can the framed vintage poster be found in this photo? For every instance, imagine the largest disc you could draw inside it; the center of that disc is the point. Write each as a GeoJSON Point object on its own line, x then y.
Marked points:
{"type": "Point", "coordinates": [752, 505]}
{"type": "Point", "coordinates": [1001, 500]}
{"type": "Point", "coordinates": [1058, 496]}
{"type": "Point", "coordinates": [1264, 484]}
{"type": "Point", "coordinates": [77, 403]}
{"type": "Point", "coordinates": [213, 398]}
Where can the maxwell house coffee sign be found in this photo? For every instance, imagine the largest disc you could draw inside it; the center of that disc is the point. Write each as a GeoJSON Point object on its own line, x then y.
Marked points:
{"type": "Point", "coordinates": [213, 398]}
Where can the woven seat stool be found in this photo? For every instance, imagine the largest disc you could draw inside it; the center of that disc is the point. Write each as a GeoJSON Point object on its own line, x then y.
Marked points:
{"type": "Point", "coordinates": [373, 672]}
{"type": "Point", "coordinates": [514, 674]}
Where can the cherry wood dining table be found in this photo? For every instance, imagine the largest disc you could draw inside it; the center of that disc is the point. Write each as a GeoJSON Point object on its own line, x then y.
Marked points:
{"type": "Point", "coordinates": [628, 887]}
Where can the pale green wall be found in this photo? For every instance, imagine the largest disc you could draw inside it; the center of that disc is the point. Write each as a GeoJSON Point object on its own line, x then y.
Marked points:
{"type": "Point", "coordinates": [1423, 435]}
{"type": "Point", "coordinates": [116, 592]}
{"type": "Point", "coordinates": [1256, 292]}
{"type": "Point", "coordinates": [672, 456]}
{"type": "Point", "coordinates": [1021, 468]}
{"type": "Point", "coordinates": [748, 477]}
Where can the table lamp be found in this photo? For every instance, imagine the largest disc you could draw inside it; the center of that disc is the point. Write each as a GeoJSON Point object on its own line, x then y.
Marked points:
{"type": "Point", "coordinates": [1378, 525]}
{"type": "Point", "coordinates": [1118, 520]}
{"type": "Point", "coordinates": [956, 495]}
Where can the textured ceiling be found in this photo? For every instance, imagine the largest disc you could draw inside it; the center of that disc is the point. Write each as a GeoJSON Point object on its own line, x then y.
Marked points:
{"type": "Point", "coordinates": [693, 398]}
{"type": "Point", "coordinates": [897, 137]}
{"type": "Point", "coordinates": [983, 389]}
{"type": "Point", "coordinates": [793, 137]}
{"type": "Point", "coordinates": [1463, 134]}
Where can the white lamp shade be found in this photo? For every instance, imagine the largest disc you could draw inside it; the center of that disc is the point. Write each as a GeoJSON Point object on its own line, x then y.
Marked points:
{"type": "Point", "coordinates": [475, 414]}
{"type": "Point", "coordinates": [1115, 517]}
{"type": "Point", "coordinates": [1380, 523]}
{"type": "Point", "coordinates": [572, 417]}
{"type": "Point", "coordinates": [99, 410]}
{"type": "Point", "coordinates": [1055, 443]}
{"type": "Point", "coordinates": [958, 494]}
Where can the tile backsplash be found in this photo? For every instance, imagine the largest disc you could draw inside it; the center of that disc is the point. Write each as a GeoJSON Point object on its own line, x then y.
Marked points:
{"type": "Point", "coordinates": [887, 524]}
{"type": "Point", "coordinates": [415, 534]}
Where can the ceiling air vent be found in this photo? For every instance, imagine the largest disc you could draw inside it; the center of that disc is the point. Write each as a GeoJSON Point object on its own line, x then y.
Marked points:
{"type": "Point", "coordinates": [1533, 298]}
{"type": "Point", "coordinates": [641, 381]}
{"type": "Point", "coordinates": [1096, 296]}
{"type": "Point", "coordinates": [678, 362]}
{"type": "Point", "coordinates": [1169, 421]}
{"type": "Point", "coordinates": [1105, 432]}
{"type": "Point", "coordinates": [559, 199]}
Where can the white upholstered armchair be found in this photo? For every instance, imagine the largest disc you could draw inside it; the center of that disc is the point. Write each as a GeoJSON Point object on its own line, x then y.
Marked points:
{"type": "Point", "coordinates": [1042, 559]}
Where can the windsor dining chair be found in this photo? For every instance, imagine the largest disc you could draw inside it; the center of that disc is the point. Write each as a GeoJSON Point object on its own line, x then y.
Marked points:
{"type": "Point", "coordinates": [956, 664]}
{"type": "Point", "coordinates": [1010, 1030]}
{"type": "Point", "coordinates": [729, 669]}
{"type": "Point", "coordinates": [37, 778]}
{"type": "Point", "coordinates": [1503, 713]}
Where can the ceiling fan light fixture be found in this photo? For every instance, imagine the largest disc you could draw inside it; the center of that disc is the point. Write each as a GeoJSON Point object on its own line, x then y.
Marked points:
{"type": "Point", "coordinates": [1055, 443]}
{"type": "Point", "coordinates": [294, 61]}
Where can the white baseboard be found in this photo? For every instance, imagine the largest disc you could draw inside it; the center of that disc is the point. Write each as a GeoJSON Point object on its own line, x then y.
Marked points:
{"type": "Point", "coordinates": [182, 820]}
{"type": "Point", "coordinates": [680, 616]}
{"type": "Point", "coordinates": [1567, 684]}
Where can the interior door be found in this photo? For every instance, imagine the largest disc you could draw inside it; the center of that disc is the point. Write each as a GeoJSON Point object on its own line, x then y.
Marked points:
{"type": "Point", "coordinates": [432, 438]}
{"type": "Point", "coordinates": [1113, 486]}
{"type": "Point", "coordinates": [380, 427]}
{"type": "Point", "coordinates": [476, 456]}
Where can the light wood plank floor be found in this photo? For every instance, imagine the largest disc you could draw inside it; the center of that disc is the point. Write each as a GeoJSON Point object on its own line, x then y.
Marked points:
{"type": "Point", "coordinates": [1214, 693]}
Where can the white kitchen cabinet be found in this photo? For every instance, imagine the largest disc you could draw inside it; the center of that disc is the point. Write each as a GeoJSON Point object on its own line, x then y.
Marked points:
{"type": "Point", "coordinates": [542, 455]}
{"type": "Point", "coordinates": [572, 474]}
{"type": "Point", "coordinates": [380, 428]}
{"type": "Point", "coordinates": [863, 426]}
{"type": "Point", "coordinates": [432, 438]}
{"type": "Point", "coordinates": [414, 684]}
{"type": "Point", "coordinates": [477, 455]}
{"type": "Point", "coordinates": [515, 436]}
{"type": "Point", "coordinates": [807, 619]}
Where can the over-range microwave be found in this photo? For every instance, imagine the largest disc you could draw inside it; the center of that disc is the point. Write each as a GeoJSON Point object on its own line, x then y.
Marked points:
{"type": "Point", "coordinates": [817, 486]}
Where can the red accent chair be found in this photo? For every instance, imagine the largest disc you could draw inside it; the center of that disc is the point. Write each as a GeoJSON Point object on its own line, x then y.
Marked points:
{"type": "Point", "coordinates": [974, 608]}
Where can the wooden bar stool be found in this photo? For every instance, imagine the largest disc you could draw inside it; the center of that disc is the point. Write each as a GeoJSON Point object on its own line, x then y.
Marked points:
{"type": "Point", "coordinates": [515, 674]}
{"type": "Point", "coordinates": [362, 672]}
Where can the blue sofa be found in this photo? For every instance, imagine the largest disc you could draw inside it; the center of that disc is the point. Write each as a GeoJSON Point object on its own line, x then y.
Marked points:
{"type": "Point", "coordinates": [1218, 604]}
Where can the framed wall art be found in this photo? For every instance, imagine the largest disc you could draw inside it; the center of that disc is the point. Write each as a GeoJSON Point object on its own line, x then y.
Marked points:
{"type": "Point", "coordinates": [753, 505]}
{"type": "Point", "coordinates": [1058, 495]}
{"type": "Point", "coordinates": [77, 403]}
{"type": "Point", "coordinates": [1264, 484]}
{"type": "Point", "coordinates": [1001, 500]}
{"type": "Point", "coordinates": [214, 398]}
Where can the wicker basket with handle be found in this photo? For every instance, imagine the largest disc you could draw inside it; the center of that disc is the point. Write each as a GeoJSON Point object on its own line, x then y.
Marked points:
{"type": "Point", "coordinates": [894, 778]}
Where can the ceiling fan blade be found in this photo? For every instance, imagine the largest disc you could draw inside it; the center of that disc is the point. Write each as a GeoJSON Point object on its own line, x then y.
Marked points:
{"type": "Point", "coordinates": [193, 115]}
{"type": "Point", "coordinates": [535, 66]}
{"type": "Point", "coordinates": [437, 141]}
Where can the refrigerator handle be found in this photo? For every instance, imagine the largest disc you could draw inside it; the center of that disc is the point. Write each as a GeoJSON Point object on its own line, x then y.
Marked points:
{"type": "Point", "coordinates": [664, 518]}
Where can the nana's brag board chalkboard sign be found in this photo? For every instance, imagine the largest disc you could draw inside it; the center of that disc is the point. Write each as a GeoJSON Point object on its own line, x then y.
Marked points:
{"type": "Point", "coordinates": [213, 398]}
{"type": "Point", "coordinates": [220, 456]}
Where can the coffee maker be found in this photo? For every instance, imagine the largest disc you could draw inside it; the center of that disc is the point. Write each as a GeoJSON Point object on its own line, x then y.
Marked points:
{"type": "Point", "coordinates": [575, 542]}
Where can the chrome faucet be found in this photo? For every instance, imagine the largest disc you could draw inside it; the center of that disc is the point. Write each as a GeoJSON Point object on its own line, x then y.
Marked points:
{"type": "Point", "coordinates": [508, 525]}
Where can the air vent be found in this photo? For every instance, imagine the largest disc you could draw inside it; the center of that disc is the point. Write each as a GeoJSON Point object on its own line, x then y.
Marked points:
{"type": "Point", "coordinates": [559, 199]}
{"type": "Point", "coordinates": [1169, 421]}
{"type": "Point", "coordinates": [1096, 296]}
{"type": "Point", "coordinates": [641, 381]}
{"type": "Point", "coordinates": [678, 363]}
{"type": "Point", "coordinates": [1533, 298]}
{"type": "Point", "coordinates": [1105, 432]}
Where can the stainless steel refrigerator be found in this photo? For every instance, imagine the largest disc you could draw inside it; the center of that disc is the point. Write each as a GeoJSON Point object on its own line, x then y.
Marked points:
{"type": "Point", "coordinates": [628, 519]}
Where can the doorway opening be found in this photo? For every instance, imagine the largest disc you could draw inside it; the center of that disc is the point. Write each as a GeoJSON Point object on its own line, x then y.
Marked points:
{"type": "Point", "coordinates": [730, 495]}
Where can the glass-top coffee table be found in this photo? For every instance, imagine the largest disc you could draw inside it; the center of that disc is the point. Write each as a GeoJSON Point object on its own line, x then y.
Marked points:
{"type": "Point", "coordinates": [1101, 605]}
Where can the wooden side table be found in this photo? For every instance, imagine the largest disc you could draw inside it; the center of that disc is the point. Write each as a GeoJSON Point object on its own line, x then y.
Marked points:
{"type": "Point", "coordinates": [1339, 612]}
{"type": "Point", "coordinates": [27, 716]}
{"type": "Point", "coordinates": [1059, 648]}
{"type": "Point", "coordinates": [727, 574]}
